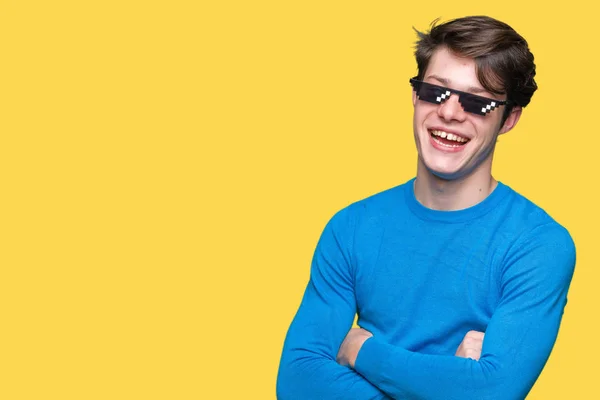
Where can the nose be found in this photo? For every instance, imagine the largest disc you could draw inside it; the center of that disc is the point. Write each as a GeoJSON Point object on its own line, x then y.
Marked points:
{"type": "Point", "coordinates": [451, 109]}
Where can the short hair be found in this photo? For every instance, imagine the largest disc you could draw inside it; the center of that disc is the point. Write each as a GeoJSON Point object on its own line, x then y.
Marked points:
{"type": "Point", "coordinates": [504, 63]}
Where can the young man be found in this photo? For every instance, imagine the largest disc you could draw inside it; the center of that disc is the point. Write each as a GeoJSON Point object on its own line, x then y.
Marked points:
{"type": "Point", "coordinates": [432, 264]}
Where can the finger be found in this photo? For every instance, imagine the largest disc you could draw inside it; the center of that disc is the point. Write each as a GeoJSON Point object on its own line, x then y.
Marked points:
{"type": "Point", "coordinates": [475, 335]}
{"type": "Point", "coordinates": [363, 330]}
{"type": "Point", "coordinates": [472, 342]}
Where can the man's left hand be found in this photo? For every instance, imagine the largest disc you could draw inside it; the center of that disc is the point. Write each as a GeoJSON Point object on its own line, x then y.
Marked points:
{"type": "Point", "coordinates": [351, 346]}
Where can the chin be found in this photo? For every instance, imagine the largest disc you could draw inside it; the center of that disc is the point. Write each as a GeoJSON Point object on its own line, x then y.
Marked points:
{"type": "Point", "coordinates": [444, 172]}
{"type": "Point", "coordinates": [446, 176]}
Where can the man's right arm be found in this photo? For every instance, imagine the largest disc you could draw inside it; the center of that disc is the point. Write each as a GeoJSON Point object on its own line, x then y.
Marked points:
{"type": "Point", "coordinates": [308, 368]}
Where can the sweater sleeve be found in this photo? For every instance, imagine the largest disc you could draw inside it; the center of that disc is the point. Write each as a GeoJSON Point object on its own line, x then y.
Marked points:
{"type": "Point", "coordinates": [518, 339]}
{"type": "Point", "coordinates": [308, 368]}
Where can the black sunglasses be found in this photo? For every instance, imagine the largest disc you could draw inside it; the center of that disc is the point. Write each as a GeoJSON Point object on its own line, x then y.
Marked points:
{"type": "Point", "coordinates": [470, 102]}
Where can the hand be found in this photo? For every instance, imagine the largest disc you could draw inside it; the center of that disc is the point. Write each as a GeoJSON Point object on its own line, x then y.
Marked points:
{"type": "Point", "coordinates": [351, 346]}
{"type": "Point", "coordinates": [471, 345]}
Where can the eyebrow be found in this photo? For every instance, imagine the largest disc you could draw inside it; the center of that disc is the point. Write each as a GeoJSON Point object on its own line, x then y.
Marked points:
{"type": "Point", "coordinates": [472, 89]}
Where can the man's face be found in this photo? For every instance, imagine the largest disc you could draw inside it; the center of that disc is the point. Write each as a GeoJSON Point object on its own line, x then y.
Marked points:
{"type": "Point", "coordinates": [472, 137]}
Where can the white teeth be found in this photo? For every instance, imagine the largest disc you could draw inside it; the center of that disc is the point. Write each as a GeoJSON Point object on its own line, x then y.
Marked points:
{"type": "Point", "coordinates": [445, 144]}
{"type": "Point", "coordinates": [449, 136]}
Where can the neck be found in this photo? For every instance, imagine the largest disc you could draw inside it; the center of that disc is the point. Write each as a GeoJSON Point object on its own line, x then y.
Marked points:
{"type": "Point", "coordinates": [449, 195]}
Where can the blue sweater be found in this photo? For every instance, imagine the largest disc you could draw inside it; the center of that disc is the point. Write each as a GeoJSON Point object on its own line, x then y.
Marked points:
{"type": "Point", "coordinates": [419, 280]}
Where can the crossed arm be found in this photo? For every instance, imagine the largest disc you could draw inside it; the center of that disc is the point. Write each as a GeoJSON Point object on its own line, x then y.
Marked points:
{"type": "Point", "coordinates": [470, 346]}
{"type": "Point", "coordinates": [518, 338]}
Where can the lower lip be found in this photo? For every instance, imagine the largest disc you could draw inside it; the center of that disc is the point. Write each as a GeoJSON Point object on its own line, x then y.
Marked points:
{"type": "Point", "coordinates": [444, 148]}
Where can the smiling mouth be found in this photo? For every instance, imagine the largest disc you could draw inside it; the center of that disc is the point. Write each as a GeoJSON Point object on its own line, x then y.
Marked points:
{"type": "Point", "coordinates": [448, 139]}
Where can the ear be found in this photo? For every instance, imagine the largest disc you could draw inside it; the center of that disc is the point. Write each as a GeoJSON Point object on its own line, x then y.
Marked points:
{"type": "Point", "coordinates": [512, 120]}
{"type": "Point", "coordinates": [414, 97]}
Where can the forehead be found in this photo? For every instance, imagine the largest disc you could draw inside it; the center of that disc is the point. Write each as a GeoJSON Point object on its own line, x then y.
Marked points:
{"type": "Point", "coordinates": [452, 70]}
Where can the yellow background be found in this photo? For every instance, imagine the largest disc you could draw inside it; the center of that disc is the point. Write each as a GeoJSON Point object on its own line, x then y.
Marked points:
{"type": "Point", "coordinates": [166, 168]}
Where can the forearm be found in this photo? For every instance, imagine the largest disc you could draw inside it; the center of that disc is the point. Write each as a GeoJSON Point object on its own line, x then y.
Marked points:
{"type": "Point", "coordinates": [308, 368]}
{"type": "Point", "coordinates": [401, 373]}
{"type": "Point", "coordinates": [511, 360]}
{"type": "Point", "coordinates": [304, 376]}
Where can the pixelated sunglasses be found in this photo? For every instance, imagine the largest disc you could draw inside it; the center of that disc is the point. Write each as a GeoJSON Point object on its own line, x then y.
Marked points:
{"type": "Point", "coordinates": [470, 102]}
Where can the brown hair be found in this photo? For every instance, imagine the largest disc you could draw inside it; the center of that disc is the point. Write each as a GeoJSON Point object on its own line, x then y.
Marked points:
{"type": "Point", "coordinates": [503, 61]}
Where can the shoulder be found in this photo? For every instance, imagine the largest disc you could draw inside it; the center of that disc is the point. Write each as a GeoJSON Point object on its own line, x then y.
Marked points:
{"type": "Point", "coordinates": [525, 218]}
{"type": "Point", "coordinates": [370, 213]}
{"type": "Point", "coordinates": [378, 204]}
{"type": "Point", "coordinates": [537, 233]}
